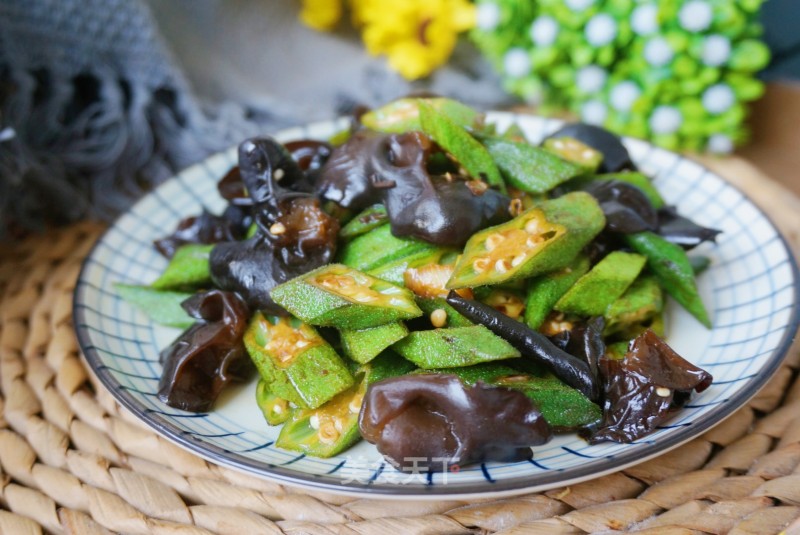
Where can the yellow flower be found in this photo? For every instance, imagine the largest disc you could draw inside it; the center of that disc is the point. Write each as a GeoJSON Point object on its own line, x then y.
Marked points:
{"type": "Point", "coordinates": [321, 14]}
{"type": "Point", "coordinates": [416, 35]}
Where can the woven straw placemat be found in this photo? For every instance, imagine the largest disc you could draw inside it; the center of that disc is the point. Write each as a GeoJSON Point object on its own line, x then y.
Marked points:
{"type": "Point", "coordinates": [71, 461]}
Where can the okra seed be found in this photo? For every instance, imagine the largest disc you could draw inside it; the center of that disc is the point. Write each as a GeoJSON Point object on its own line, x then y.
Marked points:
{"type": "Point", "coordinates": [493, 240]}
{"type": "Point", "coordinates": [558, 144]}
{"type": "Point", "coordinates": [587, 154]}
{"type": "Point", "coordinates": [480, 264]}
{"type": "Point", "coordinates": [278, 174]}
{"type": "Point", "coordinates": [532, 226]}
{"type": "Point", "coordinates": [519, 259]}
{"type": "Point", "coordinates": [314, 421]}
{"type": "Point", "coordinates": [439, 318]}
{"type": "Point", "coordinates": [277, 229]}
{"type": "Point", "coordinates": [355, 404]}
{"type": "Point", "coordinates": [501, 266]}
{"type": "Point", "coordinates": [364, 298]}
{"type": "Point", "coordinates": [337, 424]}
{"type": "Point", "coordinates": [663, 392]}
{"type": "Point", "coordinates": [328, 433]}
{"type": "Point", "coordinates": [301, 344]}
{"type": "Point", "coordinates": [278, 407]}
{"type": "Point", "coordinates": [533, 241]}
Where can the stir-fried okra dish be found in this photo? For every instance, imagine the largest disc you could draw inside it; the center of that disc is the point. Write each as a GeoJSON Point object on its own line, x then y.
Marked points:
{"type": "Point", "coordinates": [440, 288]}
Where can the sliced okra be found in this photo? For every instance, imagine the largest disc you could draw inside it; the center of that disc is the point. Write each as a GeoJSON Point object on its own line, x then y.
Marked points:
{"type": "Point", "coordinates": [379, 247]}
{"type": "Point", "coordinates": [287, 351]}
{"type": "Point", "coordinates": [162, 306]}
{"type": "Point", "coordinates": [363, 345]}
{"type": "Point", "coordinates": [395, 270]}
{"type": "Point", "coordinates": [545, 290]}
{"type": "Point", "coordinates": [454, 347]}
{"type": "Point", "coordinates": [369, 219]}
{"type": "Point", "coordinates": [188, 268]}
{"type": "Point", "coordinates": [333, 427]}
{"type": "Point", "coordinates": [673, 269]}
{"type": "Point", "coordinates": [457, 141]}
{"type": "Point", "coordinates": [528, 168]}
{"type": "Point", "coordinates": [592, 294]}
{"type": "Point", "coordinates": [542, 239]}
{"type": "Point", "coordinates": [402, 115]}
{"type": "Point", "coordinates": [276, 409]}
{"type": "Point", "coordinates": [574, 151]}
{"type": "Point", "coordinates": [563, 407]}
{"type": "Point", "coordinates": [338, 296]}
{"type": "Point", "coordinates": [640, 302]}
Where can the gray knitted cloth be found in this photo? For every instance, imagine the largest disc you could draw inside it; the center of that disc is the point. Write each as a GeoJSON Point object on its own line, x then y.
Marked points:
{"type": "Point", "coordinates": [99, 111]}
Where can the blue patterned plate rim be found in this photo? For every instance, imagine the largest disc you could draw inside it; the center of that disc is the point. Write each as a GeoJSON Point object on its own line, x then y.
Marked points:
{"type": "Point", "coordinates": [593, 467]}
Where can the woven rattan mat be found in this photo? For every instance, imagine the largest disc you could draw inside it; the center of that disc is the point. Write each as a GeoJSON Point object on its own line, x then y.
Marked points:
{"type": "Point", "coordinates": [71, 461]}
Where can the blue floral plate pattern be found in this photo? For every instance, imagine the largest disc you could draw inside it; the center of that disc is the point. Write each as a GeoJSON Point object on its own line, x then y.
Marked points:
{"type": "Point", "coordinates": [750, 289]}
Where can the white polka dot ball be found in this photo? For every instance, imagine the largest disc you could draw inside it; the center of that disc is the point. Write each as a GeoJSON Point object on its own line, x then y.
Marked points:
{"type": "Point", "coordinates": [591, 79]}
{"type": "Point", "coordinates": [544, 31]}
{"type": "Point", "coordinates": [658, 52]}
{"type": "Point", "coordinates": [716, 50]}
{"type": "Point", "coordinates": [718, 98]}
{"type": "Point", "coordinates": [594, 112]}
{"type": "Point", "coordinates": [601, 29]}
{"type": "Point", "coordinates": [665, 120]}
{"type": "Point", "coordinates": [644, 19]}
{"type": "Point", "coordinates": [696, 16]}
{"type": "Point", "coordinates": [517, 63]}
{"type": "Point", "coordinates": [623, 95]}
{"type": "Point", "coordinates": [487, 17]}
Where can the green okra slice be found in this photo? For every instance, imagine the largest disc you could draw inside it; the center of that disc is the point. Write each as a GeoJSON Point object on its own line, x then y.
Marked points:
{"type": "Point", "coordinates": [162, 306]}
{"type": "Point", "coordinates": [276, 409]}
{"type": "Point", "coordinates": [379, 247]}
{"type": "Point", "coordinates": [333, 427]}
{"type": "Point", "coordinates": [594, 292]}
{"type": "Point", "coordinates": [640, 302]}
{"type": "Point", "coordinates": [363, 345]}
{"type": "Point", "coordinates": [545, 290]}
{"type": "Point", "coordinates": [456, 140]}
{"type": "Point", "coordinates": [454, 347]}
{"type": "Point", "coordinates": [528, 168]}
{"type": "Point", "coordinates": [369, 219]}
{"type": "Point", "coordinates": [188, 268]}
{"type": "Point", "coordinates": [671, 266]}
{"type": "Point", "coordinates": [285, 350]}
{"type": "Point", "coordinates": [402, 115]}
{"type": "Point", "coordinates": [545, 238]}
{"type": "Point", "coordinates": [562, 406]}
{"type": "Point", "coordinates": [574, 151]}
{"type": "Point", "coordinates": [394, 270]}
{"type": "Point", "coordinates": [338, 296]}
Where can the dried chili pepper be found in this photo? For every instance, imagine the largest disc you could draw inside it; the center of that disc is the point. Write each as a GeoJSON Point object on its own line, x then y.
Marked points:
{"type": "Point", "coordinates": [571, 370]}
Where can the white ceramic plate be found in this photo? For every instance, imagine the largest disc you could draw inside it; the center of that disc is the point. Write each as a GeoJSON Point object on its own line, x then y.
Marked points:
{"type": "Point", "coordinates": [750, 290]}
